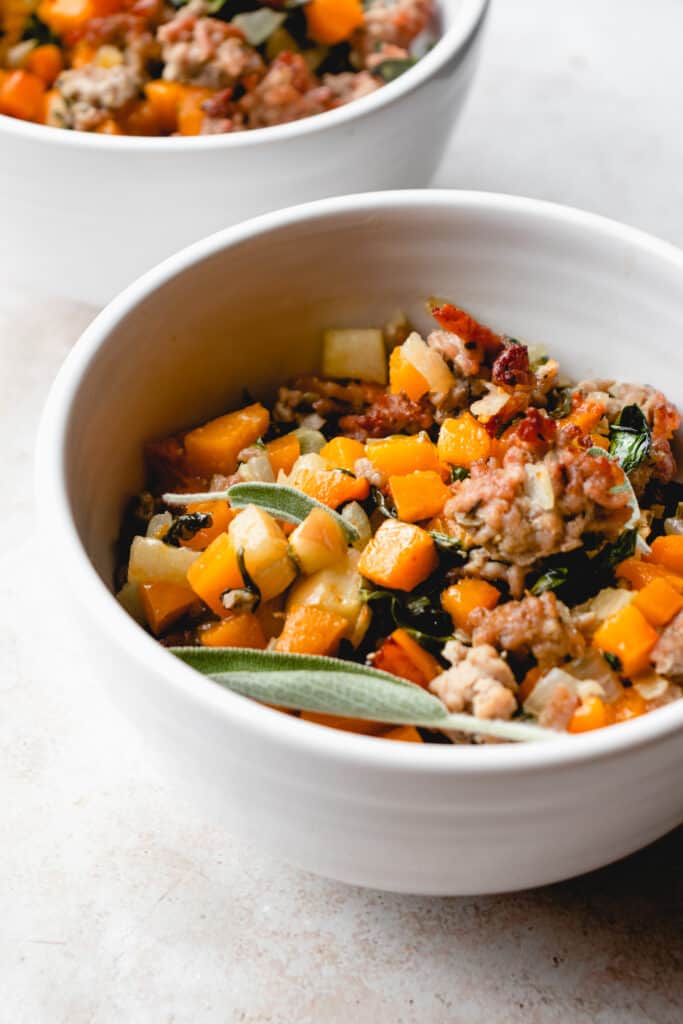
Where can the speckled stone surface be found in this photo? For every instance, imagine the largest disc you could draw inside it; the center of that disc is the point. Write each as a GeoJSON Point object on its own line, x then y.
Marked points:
{"type": "Point", "coordinates": [120, 904]}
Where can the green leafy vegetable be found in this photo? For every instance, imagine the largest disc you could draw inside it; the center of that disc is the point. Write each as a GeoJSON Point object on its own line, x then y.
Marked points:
{"type": "Point", "coordinates": [393, 67]}
{"type": "Point", "coordinates": [185, 526]}
{"type": "Point", "coordinates": [630, 438]}
{"type": "Point", "coordinates": [445, 542]}
{"type": "Point", "coordinates": [551, 579]}
{"type": "Point", "coordinates": [459, 473]}
{"type": "Point", "coordinates": [382, 503]}
{"type": "Point", "coordinates": [336, 687]}
{"type": "Point", "coordinates": [246, 598]}
{"type": "Point", "coordinates": [419, 613]}
{"type": "Point", "coordinates": [35, 28]}
{"type": "Point", "coordinates": [280, 500]}
{"type": "Point", "coordinates": [258, 25]}
{"type": "Point", "coordinates": [613, 661]}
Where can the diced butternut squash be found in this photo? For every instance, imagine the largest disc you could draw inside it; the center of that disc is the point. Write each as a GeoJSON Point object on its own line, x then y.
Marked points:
{"type": "Point", "coordinates": [659, 602]}
{"type": "Point", "coordinates": [215, 571]}
{"type": "Point", "coordinates": [332, 21]}
{"type": "Point", "coordinates": [668, 551]}
{"type": "Point", "coordinates": [221, 516]}
{"type": "Point", "coordinates": [311, 630]}
{"type": "Point", "coordinates": [266, 554]}
{"type": "Point", "coordinates": [586, 415]}
{"type": "Point", "coordinates": [63, 16]}
{"type": "Point", "coordinates": [593, 713]}
{"type": "Point", "coordinates": [165, 603]}
{"type": "Point", "coordinates": [109, 127]}
{"type": "Point", "coordinates": [357, 725]}
{"type": "Point", "coordinates": [629, 705]}
{"type": "Point", "coordinates": [399, 556]}
{"type": "Point", "coordinates": [405, 378]}
{"type": "Point", "coordinates": [190, 112]}
{"type": "Point", "coordinates": [639, 573]}
{"type": "Point", "coordinates": [165, 99]}
{"type": "Point", "coordinates": [241, 630]}
{"type": "Point", "coordinates": [45, 62]}
{"type": "Point", "coordinates": [392, 658]}
{"type": "Point", "coordinates": [429, 363]}
{"type": "Point", "coordinates": [463, 441]}
{"type": "Point", "coordinates": [403, 733]}
{"type": "Point", "coordinates": [214, 447]}
{"type": "Point", "coordinates": [22, 95]}
{"type": "Point", "coordinates": [630, 637]}
{"type": "Point", "coordinates": [283, 453]}
{"type": "Point", "coordinates": [418, 495]}
{"type": "Point", "coordinates": [425, 662]}
{"type": "Point", "coordinates": [343, 452]}
{"type": "Point", "coordinates": [463, 597]}
{"type": "Point", "coordinates": [354, 353]}
{"type": "Point", "coordinates": [318, 542]}
{"type": "Point", "coordinates": [599, 441]}
{"type": "Point", "coordinates": [398, 455]}
{"type": "Point", "coordinates": [330, 487]}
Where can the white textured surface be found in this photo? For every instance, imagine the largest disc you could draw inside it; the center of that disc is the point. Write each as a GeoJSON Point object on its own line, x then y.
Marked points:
{"type": "Point", "coordinates": [118, 904]}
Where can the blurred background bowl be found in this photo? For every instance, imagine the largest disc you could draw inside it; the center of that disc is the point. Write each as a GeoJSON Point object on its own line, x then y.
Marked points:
{"type": "Point", "coordinates": [83, 214]}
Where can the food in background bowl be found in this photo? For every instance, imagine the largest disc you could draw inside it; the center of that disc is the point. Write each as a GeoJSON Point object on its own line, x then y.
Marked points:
{"type": "Point", "coordinates": [145, 67]}
{"type": "Point", "coordinates": [449, 511]}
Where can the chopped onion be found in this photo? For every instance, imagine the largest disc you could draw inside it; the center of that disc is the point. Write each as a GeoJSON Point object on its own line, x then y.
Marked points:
{"type": "Point", "coordinates": [608, 602]}
{"type": "Point", "coordinates": [257, 468]}
{"type": "Point", "coordinates": [152, 561]}
{"type": "Point", "coordinates": [651, 686]}
{"type": "Point", "coordinates": [539, 487]}
{"type": "Point", "coordinates": [355, 515]}
{"type": "Point", "coordinates": [159, 525]}
{"type": "Point", "coordinates": [309, 440]}
{"type": "Point", "coordinates": [673, 525]}
{"type": "Point", "coordinates": [429, 363]}
{"type": "Point", "coordinates": [545, 687]}
{"type": "Point", "coordinates": [493, 401]}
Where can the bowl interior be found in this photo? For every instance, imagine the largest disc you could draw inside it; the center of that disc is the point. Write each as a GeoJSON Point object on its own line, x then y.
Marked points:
{"type": "Point", "coordinates": [246, 308]}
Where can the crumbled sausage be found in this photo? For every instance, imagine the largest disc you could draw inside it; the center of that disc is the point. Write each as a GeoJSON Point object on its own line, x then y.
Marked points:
{"type": "Point", "coordinates": [538, 626]}
{"type": "Point", "coordinates": [667, 655]}
{"type": "Point", "coordinates": [479, 681]}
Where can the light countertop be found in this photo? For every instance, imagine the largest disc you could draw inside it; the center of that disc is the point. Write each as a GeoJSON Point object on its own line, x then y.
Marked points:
{"type": "Point", "coordinates": [119, 904]}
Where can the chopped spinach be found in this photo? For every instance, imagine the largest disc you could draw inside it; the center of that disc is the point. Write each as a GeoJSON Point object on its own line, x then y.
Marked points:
{"type": "Point", "coordinates": [551, 579]}
{"type": "Point", "coordinates": [184, 527]}
{"type": "Point", "coordinates": [577, 576]}
{"type": "Point", "coordinates": [446, 543]}
{"type": "Point", "coordinates": [630, 438]}
{"type": "Point", "coordinates": [245, 598]}
{"type": "Point", "coordinates": [393, 67]}
{"type": "Point", "coordinates": [419, 613]}
{"type": "Point", "coordinates": [35, 28]}
{"type": "Point", "coordinates": [459, 473]}
{"type": "Point", "coordinates": [613, 661]}
{"type": "Point", "coordinates": [382, 503]}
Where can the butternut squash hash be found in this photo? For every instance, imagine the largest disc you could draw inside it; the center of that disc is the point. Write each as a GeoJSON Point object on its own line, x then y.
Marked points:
{"type": "Point", "coordinates": [151, 67]}
{"type": "Point", "coordinates": [516, 544]}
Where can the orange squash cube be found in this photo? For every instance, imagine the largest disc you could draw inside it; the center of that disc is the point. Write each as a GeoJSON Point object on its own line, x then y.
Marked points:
{"type": "Point", "coordinates": [398, 455]}
{"type": "Point", "coordinates": [63, 16]}
{"type": "Point", "coordinates": [331, 487]}
{"type": "Point", "coordinates": [629, 637]}
{"type": "Point", "coordinates": [241, 630]}
{"type": "Point", "coordinates": [164, 603]}
{"type": "Point", "coordinates": [593, 713]}
{"type": "Point", "coordinates": [399, 556]}
{"type": "Point", "coordinates": [214, 447]}
{"type": "Point", "coordinates": [404, 734]}
{"type": "Point", "coordinates": [215, 571]}
{"type": "Point", "coordinates": [357, 725]}
{"type": "Point", "coordinates": [283, 453]}
{"type": "Point", "coordinates": [463, 441]}
{"type": "Point", "coordinates": [309, 629]}
{"type": "Point", "coordinates": [332, 21]}
{"type": "Point", "coordinates": [463, 597]}
{"type": "Point", "coordinates": [405, 378]}
{"type": "Point", "coordinates": [22, 95]}
{"type": "Point", "coordinates": [418, 495]}
{"type": "Point", "coordinates": [659, 602]}
{"type": "Point", "coordinates": [639, 573]}
{"type": "Point", "coordinates": [45, 62]}
{"type": "Point", "coordinates": [668, 551]}
{"type": "Point", "coordinates": [629, 705]}
{"type": "Point", "coordinates": [343, 452]}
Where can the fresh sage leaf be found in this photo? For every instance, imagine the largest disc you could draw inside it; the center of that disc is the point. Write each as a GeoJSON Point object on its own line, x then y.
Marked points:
{"type": "Point", "coordinates": [393, 67]}
{"type": "Point", "coordinates": [630, 438]}
{"type": "Point", "coordinates": [280, 500]}
{"type": "Point", "coordinates": [258, 25]}
{"type": "Point", "coordinates": [331, 686]}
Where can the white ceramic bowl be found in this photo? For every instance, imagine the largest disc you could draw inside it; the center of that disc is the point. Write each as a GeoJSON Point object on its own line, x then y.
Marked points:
{"type": "Point", "coordinates": [83, 215]}
{"type": "Point", "coordinates": [245, 308]}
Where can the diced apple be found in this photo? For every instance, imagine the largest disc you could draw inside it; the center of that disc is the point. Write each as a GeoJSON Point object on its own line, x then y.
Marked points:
{"type": "Point", "coordinates": [359, 354]}
{"type": "Point", "coordinates": [266, 555]}
{"type": "Point", "coordinates": [337, 589]}
{"type": "Point", "coordinates": [152, 561]}
{"type": "Point", "coordinates": [318, 542]}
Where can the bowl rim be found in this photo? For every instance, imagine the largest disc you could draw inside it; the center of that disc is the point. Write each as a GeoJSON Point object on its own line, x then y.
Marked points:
{"type": "Point", "coordinates": [77, 571]}
{"type": "Point", "coordinates": [469, 18]}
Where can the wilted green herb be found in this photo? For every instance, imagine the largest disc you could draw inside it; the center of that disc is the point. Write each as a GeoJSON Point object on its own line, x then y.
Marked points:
{"type": "Point", "coordinates": [630, 438]}
{"type": "Point", "coordinates": [393, 67]}
{"type": "Point", "coordinates": [184, 527]}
